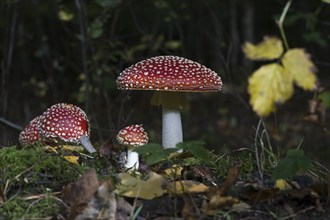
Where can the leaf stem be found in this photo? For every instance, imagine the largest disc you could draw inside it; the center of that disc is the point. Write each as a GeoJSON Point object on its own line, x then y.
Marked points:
{"type": "Point", "coordinates": [280, 23]}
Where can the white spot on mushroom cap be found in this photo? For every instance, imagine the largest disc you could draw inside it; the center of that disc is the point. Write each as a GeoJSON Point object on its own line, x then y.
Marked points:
{"type": "Point", "coordinates": [176, 74]}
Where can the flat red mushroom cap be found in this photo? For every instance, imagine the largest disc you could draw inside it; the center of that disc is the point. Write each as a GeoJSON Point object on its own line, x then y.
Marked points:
{"type": "Point", "coordinates": [64, 121]}
{"type": "Point", "coordinates": [30, 133]}
{"type": "Point", "coordinates": [133, 135]}
{"type": "Point", "coordinates": [169, 73]}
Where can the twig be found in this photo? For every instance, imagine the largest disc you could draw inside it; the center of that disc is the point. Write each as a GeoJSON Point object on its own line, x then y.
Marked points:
{"type": "Point", "coordinates": [10, 124]}
{"type": "Point", "coordinates": [39, 196]}
{"type": "Point", "coordinates": [280, 23]}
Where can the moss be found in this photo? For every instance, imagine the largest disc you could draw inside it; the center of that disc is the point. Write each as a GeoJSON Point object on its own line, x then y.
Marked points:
{"type": "Point", "coordinates": [30, 167]}
{"type": "Point", "coordinates": [16, 208]}
{"type": "Point", "coordinates": [33, 171]}
{"type": "Point", "coordinates": [221, 164]}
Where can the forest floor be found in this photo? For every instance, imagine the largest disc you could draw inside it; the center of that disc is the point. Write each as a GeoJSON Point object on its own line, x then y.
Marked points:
{"type": "Point", "coordinates": [49, 183]}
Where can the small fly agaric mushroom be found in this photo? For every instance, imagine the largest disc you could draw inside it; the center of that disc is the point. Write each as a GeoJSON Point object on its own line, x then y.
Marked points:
{"type": "Point", "coordinates": [132, 136]}
{"type": "Point", "coordinates": [68, 123]}
{"type": "Point", "coordinates": [30, 133]}
{"type": "Point", "coordinates": [171, 77]}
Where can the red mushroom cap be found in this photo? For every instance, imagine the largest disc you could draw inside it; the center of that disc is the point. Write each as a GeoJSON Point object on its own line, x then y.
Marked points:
{"type": "Point", "coordinates": [133, 135]}
{"type": "Point", "coordinates": [64, 121]}
{"type": "Point", "coordinates": [169, 73]}
{"type": "Point", "coordinates": [30, 133]}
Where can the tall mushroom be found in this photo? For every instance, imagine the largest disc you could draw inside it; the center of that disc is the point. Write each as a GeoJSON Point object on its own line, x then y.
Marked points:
{"type": "Point", "coordinates": [132, 136]}
{"type": "Point", "coordinates": [68, 123]}
{"type": "Point", "coordinates": [171, 77]}
{"type": "Point", "coordinates": [30, 134]}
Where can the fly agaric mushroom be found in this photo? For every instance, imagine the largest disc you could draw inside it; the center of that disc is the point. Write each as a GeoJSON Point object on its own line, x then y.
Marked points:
{"type": "Point", "coordinates": [171, 77]}
{"type": "Point", "coordinates": [68, 123]}
{"type": "Point", "coordinates": [30, 133]}
{"type": "Point", "coordinates": [132, 136]}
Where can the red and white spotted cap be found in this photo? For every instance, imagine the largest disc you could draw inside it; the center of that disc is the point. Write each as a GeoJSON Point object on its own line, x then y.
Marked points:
{"type": "Point", "coordinates": [132, 135]}
{"type": "Point", "coordinates": [65, 122]}
{"type": "Point", "coordinates": [30, 133]}
{"type": "Point", "coordinates": [169, 73]}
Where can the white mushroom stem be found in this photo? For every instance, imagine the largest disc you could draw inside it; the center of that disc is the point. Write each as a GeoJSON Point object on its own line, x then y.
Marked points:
{"type": "Point", "coordinates": [86, 143]}
{"type": "Point", "coordinates": [172, 128]}
{"type": "Point", "coordinates": [132, 159]}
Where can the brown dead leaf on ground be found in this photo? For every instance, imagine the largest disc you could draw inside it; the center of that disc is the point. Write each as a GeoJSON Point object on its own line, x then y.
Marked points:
{"type": "Point", "coordinates": [102, 205]}
{"type": "Point", "coordinates": [88, 199]}
{"type": "Point", "coordinates": [76, 195]}
{"type": "Point", "coordinates": [255, 193]}
{"type": "Point", "coordinates": [217, 197]}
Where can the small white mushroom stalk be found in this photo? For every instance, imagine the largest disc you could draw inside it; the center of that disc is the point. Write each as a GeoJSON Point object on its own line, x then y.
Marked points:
{"type": "Point", "coordinates": [132, 136]}
{"type": "Point", "coordinates": [132, 159]}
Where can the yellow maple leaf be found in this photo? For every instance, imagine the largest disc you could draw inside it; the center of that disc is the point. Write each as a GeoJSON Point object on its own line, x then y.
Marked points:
{"type": "Point", "coordinates": [268, 49]}
{"type": "Point", "coordinates": [269, 85]}
{"type": "Point", "coordinates": [297, 62]}
{"type": "Point", "coordinates": [132, 186]}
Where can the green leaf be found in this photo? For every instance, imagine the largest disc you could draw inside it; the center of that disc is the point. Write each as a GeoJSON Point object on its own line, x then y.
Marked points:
{"type": "Point", "coordinates": [285, 168]}
{"type": "Point", "coordinates": [187, 144]}
{"type": "Point", "coordinates": [304, 163]}
{"type": "Point", "coordinates": [326, 1]}
{"type": "Point", "coordinates": [148, 148]}
{"type": "Point", "coordinates": [156, 157]}
{"type": "Point", "coordinates": [295, 153]}
{"type": "Point", "coordinates": [159, 156]}
{"type": "Point", "coordinates": [96, 29]}
{"type": "Point", "coordinates": [199, 152]}
{"type": "Point", "coordinates": [325, 99]}
{"type": "Point", "coordinates": [294, 161]}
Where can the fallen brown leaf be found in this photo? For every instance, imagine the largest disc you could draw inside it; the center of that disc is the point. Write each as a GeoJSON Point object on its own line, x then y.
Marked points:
{"type": "Point", "coordinates": [102, 205]}
{"type": "Point", "coordinates": [255, 193]}
{"type": "Point", "coordinates": [230, 180]}
{"type": "Point", "coordinates": [77, 195]}
{"type": "Point", "coordinates": [216, 198]}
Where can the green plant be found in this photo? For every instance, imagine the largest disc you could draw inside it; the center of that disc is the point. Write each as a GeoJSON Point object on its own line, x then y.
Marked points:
{"type": "Point", "coordinates": [155, 153]}
{"type": "Point", "coordinates": [289, 166]}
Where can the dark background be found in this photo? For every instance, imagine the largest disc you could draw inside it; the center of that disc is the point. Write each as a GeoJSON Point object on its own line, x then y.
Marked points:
{"type": "Point", "coordinates": [46, 59]}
